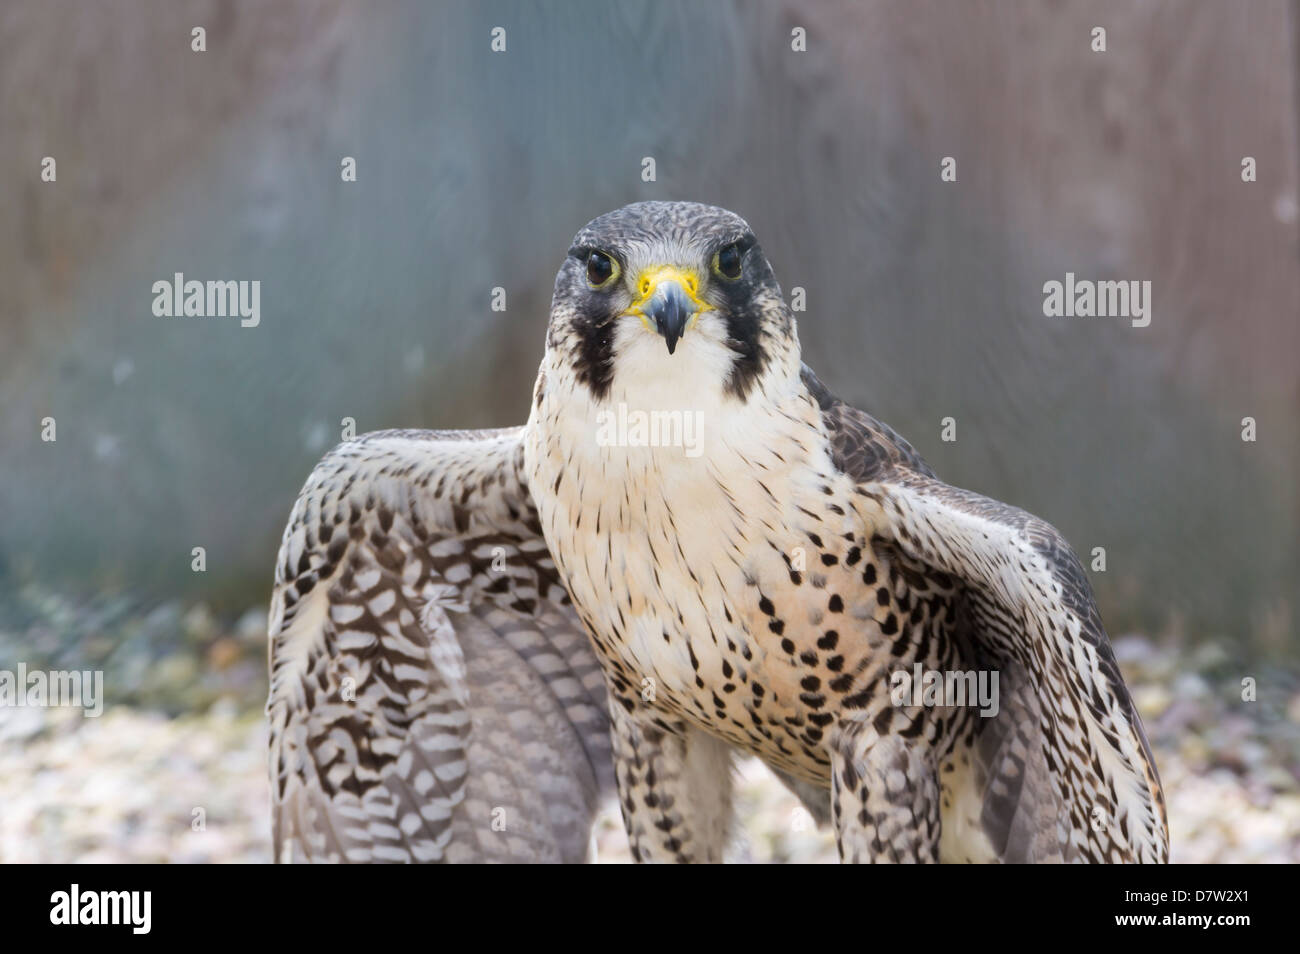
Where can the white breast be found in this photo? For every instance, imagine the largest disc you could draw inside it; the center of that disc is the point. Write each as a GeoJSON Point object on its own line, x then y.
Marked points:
{"type": "Point", "coordinates": [660, 527]}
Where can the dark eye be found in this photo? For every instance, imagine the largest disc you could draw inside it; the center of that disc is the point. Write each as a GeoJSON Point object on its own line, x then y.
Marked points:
{"type": "Point", "coordinates": [727, 262]}
{"type": "Point", "coordinates": [601, 269]}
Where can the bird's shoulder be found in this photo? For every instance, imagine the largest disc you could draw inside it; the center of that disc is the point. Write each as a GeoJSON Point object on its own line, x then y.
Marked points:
{"type": "Point", "coordinates": [869, 451]}
{"type": "Point", "coordinates": [862, 447]}
{"type": "Point", "coordinates": [889, 470]}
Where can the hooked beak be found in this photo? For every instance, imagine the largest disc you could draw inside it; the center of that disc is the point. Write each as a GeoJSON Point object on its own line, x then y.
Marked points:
{"type": "Point", "coordinates": [669, 299]}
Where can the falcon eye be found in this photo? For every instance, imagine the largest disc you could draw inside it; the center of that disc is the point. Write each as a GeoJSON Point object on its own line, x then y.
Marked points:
{"type": "Point", "coordinates": [601, 269]}
{"type": "Point", "coordinates": [727, 262]}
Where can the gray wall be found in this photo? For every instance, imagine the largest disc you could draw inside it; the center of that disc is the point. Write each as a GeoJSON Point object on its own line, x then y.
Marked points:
{"type": "Point", "coordinates": [924, 297]}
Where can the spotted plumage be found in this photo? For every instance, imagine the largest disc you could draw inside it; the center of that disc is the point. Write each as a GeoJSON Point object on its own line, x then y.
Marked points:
{"type": "Point", "coordinates": [753, 575]}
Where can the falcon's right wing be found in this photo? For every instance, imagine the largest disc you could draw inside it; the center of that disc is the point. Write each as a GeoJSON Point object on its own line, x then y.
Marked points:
{"type": "Point", "coordinates": [433, 695]}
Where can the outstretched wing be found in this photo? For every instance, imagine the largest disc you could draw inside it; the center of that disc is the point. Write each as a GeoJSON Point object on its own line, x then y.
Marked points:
{"type": "Point", "coordinates": [1065, 768]}
{"type": "Point", "coordinates": [433, 695]}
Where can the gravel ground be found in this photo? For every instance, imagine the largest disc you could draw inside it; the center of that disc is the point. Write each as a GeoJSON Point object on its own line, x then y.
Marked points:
{"type": "Point", "coordinates": [159, 778]}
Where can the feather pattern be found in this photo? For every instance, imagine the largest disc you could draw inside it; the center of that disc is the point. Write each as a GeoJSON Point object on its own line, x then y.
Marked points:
{"type": "Point", "coordinates": [433, 697]}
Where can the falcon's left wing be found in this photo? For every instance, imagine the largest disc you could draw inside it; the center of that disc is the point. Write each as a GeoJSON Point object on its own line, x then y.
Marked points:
{"type": "Point", "coordinates": [1065, 767]}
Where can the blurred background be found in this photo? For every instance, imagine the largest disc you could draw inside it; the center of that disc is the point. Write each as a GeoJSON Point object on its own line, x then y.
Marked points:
{"type": "Point", "coordinates": [474, 168]}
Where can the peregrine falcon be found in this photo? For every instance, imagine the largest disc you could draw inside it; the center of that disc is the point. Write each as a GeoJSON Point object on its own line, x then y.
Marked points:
{"type": "Point", "coordinates": [693, 527]}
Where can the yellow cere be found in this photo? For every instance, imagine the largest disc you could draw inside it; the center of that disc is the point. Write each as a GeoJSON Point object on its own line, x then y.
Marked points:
{"type": "Point", "coordinates": [651, 278]}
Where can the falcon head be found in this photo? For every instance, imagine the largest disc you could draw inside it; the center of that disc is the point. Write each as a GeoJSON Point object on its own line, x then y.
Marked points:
{"type": "Point", "coordinates": [668, 294]}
